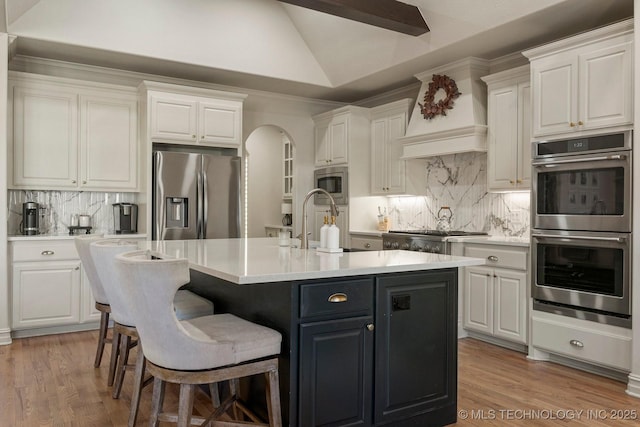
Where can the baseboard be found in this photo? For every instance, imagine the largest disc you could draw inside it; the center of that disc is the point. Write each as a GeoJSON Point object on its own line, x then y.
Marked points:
{"type": "Point", "coordinates": [614, 374]}
{"type": "Point", "coordinates": [522, 348]}
{"type": "Point", "coordinates": [25, 333]}
{"type": "Point", "coordinates": [5, 336]}
{"type": "Point", "coordinates": [633, 385]}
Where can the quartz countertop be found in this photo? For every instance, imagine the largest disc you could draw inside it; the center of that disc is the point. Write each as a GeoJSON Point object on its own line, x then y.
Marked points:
{"type": "Point", "coordinates": [66, 236]}
{"type": "Point", "coordinates": [260, 260]}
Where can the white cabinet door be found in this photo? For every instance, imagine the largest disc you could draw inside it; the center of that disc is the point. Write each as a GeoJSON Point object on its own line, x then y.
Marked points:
{"type": "Point", "coordinates": [510, 320]}
{"type": "Point", "coordinates": [523, 179]}
{"type": "Point", "coordinates": [88, 311]}
{"type": "Point", "coordinates": [478, 299]}
{"type": "Point", "coordinates": [45, 294]}
{"type": "Point", "coordinates": [339, 130]}
{"type": "Point", "coordinates": [605, 83]}
{"type": "Point", "coordinates": [108, 143]}
{"type": "Point", "coordinates": [502, 150]}
{"type": "Point", "coordinates": [379, 156]}
{"type": "Point", "coordinates": [173, 119]}
{"type": "Point", "coordinates": [555, 96]}
{"type": "Point", "coordinates": [220, 123]}
{"type": "Point", "coordinates": [321, 144]}
{"type": "Point", "coordinates": [45, 138]}
{"type": "Point", "coordinates": [395, 166]}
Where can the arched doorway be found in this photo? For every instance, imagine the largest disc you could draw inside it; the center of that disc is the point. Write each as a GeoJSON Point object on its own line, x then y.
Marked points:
{"type": "Point", "coordinates": [268, 161]}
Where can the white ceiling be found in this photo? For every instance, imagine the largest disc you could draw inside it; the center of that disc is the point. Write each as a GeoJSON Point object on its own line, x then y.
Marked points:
{"type": "Point", "coordinates": [269, 45]}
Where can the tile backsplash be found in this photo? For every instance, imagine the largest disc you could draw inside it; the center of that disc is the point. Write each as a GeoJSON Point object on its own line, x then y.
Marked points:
{"type": "Point", "coordinates": [460, 182]}
{"type": "Point", "coordinates": [57, 207]}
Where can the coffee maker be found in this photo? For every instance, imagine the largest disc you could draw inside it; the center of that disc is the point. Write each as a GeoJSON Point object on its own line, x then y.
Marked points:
{"type": "Point", "coordinates": [125, 218]}
{"type": "Point", "coordinates": [30, 218]}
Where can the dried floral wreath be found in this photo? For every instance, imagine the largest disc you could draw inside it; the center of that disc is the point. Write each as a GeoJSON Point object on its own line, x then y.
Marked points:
{"type": "Point", "coordinates": [430, 109]}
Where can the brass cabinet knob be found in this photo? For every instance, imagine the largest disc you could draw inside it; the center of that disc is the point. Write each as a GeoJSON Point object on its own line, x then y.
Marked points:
{"type": "Point", "coordinates": [193, 136]}
{"type": "Point", "coordinates": [47, 253]}
{"type": "Point", "coordinates": [367, 245]}
{"type": "Point", "coordinates": [580, 123]}
{"type": "Point", "coordinates": [73, 181]}
{"type": "Point", "coordinates": [370, 327]}
{"type": "Point", "coordinates": [84, 182]}
{"type": "Point", "coordinates": [511, 182]}
{"type": "Point", "coordinates": [572, 124]}
{"type": "Point", "coordinates": [492, 258]}
{"type": "Point", "coordinates": [519, 181]}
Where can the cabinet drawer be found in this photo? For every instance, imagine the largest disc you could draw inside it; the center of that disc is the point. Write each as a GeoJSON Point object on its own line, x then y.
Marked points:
{"type": "Point", "coordinates": [366, 243]}
{"type": "Point", "coordinates": [338, 298]}
{"type": "Point", "coordinates": [497, 256]}
{"type": "Point", "coordinates": [588, 341]}
{"type": "Point", "coordinates": [44, 251]}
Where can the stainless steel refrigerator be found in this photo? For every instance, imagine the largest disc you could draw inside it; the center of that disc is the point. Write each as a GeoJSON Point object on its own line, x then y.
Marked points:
{"type": "Point", "coordinates": [195, 196]}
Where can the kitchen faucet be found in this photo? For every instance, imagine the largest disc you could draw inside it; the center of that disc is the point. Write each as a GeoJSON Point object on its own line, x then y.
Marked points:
{"type": "Point", "coordinates": [304, 240]}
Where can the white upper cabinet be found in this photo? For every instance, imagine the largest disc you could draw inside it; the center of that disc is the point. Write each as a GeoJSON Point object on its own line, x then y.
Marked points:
{"type": "Point", "coordinates": [331, 139]}
{"type": "Point", "coordinates": [67, 136]}
{"type": "Point", "coordinates": [509, 133]}
{"type": "Point", "coordinates": [185, 115]}
{"type": "Point", "coordinates": [388, 123]}
{"type": "Point", "coordinates": [584, 82]}
{"type": "Point", "coordinates": [108, 142]}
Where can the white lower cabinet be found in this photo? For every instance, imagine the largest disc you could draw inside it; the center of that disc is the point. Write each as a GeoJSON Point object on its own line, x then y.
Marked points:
{"type": "Point", "coordinates": [494, 296]}
{"type": "Point", "coordinates": [49, 287]}
{"type": "Point", "coordinates": [592, 342]}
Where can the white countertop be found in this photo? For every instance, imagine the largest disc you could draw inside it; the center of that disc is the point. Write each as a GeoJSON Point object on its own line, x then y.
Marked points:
{"type": "Point", "coordinates": [66, 236]}
{"type": "Point", "coordinates": [259, 260]}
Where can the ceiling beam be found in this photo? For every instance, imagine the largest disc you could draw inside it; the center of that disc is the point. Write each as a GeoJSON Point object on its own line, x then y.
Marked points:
{"type": "Point", "coordinates": [390, 14]}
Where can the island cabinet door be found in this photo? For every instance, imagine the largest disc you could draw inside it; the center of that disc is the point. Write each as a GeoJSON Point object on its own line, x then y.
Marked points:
{"type": "Point", "coordinates": [416, 348]}
{"type": "Point", "coordinates": [336, 361]}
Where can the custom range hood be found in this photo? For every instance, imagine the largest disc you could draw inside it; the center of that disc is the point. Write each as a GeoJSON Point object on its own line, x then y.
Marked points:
{"type": "Point", "coordinates": [464, 127]}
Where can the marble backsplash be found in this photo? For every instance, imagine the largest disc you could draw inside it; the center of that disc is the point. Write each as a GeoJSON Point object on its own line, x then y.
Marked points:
{"type": "Point", "coordinates": [57, 208]}
{"type": "Point", "coordinates": [460, 182]}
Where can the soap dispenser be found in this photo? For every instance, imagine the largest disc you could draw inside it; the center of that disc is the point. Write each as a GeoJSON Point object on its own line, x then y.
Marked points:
{"type": "Point", "coordinates": [333, 235]}
{"type": "Point", "coordinates": [323, 232]}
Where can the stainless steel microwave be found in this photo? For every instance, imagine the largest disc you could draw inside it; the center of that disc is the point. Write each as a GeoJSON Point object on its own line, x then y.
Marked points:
{"type": "Point", "coordinates": [335, 181]}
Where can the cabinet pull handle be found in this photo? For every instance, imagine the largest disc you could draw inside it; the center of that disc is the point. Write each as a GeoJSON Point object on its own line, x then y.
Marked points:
{"type": "Point", "coordinates": [337, 297]}
{"type": "Point", "coordinates": [47, 252]}
{"type": "Point", "coordinates": [370, 327]}
{"type": "Point", "coordinates": [77, 268]}
{"type": "Point", "coordinates": [73, 181]}
{"type": "Point", "coordinates": [511, 182]}
{"type": "Point", "coordinates": [519, 181]}
{"type": "Point", "coordinates": [492, 258]}
{"type": "Point", "coordinates": [576, 343]}
{"type": "Point", "coordinates": [367, 245]}
{"type": "Point", "coordinates": [572, 124]}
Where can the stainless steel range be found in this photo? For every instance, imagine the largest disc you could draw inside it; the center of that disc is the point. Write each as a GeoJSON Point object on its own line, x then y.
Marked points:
{"type": "Point", "coordinates": [433, 241]}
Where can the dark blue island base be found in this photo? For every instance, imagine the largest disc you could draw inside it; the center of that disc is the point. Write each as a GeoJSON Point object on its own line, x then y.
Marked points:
{"type": "Point", "coordinates": [375, 350]}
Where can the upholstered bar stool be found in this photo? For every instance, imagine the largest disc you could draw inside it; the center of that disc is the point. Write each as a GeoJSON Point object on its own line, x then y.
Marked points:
{"type": "Point", "coordinates": [203, 350]}
{"type": "Point", "coordinates": [187, 305]}
{"type": "Point", "coordinates": [102, 302]}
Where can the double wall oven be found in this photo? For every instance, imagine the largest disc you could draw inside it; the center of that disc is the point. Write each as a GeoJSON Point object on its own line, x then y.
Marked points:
{"type": "Point", "coordinates": [581, 227]}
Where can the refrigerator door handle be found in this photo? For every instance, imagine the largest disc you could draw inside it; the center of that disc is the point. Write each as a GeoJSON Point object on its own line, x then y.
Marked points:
{"type": "Point", "coordinates": [205, 203]}
{"type": "Point", "coordinates": [200, 196]}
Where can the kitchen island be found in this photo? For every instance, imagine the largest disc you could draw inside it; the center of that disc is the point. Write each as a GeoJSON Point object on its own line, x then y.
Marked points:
{"type": "Point", "coordinates": [369, 338]}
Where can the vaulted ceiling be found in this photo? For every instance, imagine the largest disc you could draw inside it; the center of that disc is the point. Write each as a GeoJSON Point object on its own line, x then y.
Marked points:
{"type": "Point", "coordinates": [271, 45]}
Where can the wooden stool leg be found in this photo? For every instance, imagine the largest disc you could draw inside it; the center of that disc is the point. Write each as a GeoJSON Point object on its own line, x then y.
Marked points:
{"type": "Point", "coordinates": [215, 395]}
{"type": "Point", "coordinates": [115, 352]}
{"type": "Point", "coordinates": [234, 388]}
{"type": "Point", "coordinates": [125, 343]}
{"type": "Point", "coordinates": [273, 399]}
{"type": "Point", "coordinates": [104, 325]}
{"type": "Point", "coordinates": [156, 401]}
{"type": "Point", "coordinates": [138, 379]}
{"type": "Point", "coordinates": [186, 405]}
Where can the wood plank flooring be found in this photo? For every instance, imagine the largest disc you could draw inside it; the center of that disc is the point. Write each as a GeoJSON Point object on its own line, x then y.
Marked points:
{"type": "Point", "coordinates": [50, 381]}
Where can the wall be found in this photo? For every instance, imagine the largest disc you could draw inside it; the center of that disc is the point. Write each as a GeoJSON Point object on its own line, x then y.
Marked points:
{"type": "Point", "coordinates": [5, 337]}
{"type": "Point", "coordinates": [264, 184]}
{"type": "Point", "coordinates": [460, 182]}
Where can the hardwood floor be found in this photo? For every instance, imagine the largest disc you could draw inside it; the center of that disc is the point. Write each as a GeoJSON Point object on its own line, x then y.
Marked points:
{"type": "Point", "coordinates": [51, 381]}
